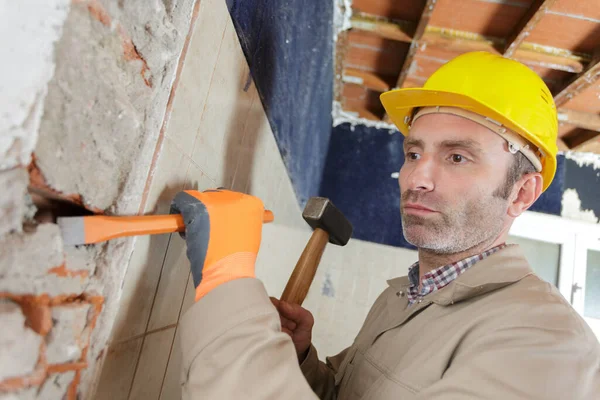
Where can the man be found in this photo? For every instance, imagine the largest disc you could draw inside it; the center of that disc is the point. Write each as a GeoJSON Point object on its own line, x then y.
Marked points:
{"type": "Point", "coordinates": [470, 321]}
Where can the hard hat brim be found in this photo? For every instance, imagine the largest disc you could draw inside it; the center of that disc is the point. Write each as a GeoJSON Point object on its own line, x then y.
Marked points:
{"type": "Point", "coordinates": [400, 103]}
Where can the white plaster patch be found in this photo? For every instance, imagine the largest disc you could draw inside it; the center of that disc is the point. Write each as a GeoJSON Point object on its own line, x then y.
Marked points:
{"type": "Point", "coordinates": [19, 345]}
{"type": "Point", "coordinates": [352, 79]}
{"type": "Point", "coordinates": [584, 159]}
{"type": "Point", "coordinates": [342, 12]}
{"type": "Point", "coordinates": [28, 30]}
{"type": "Point", "coordinates": [571, 208]}
{"type": "Point", "coordinates": [341, 116]}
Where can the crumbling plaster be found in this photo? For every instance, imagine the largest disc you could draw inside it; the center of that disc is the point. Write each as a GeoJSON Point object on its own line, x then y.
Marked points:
{"type": "Point", "coordinates": [28, 31]}
{"type": "Point", "coordinates": [588, 175]}
{"type": "Point", "coordinates": [86, 91]}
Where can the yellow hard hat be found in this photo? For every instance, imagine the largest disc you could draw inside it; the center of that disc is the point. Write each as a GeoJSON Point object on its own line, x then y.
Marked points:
{"type": "Point", "coordinates": [500, 89]}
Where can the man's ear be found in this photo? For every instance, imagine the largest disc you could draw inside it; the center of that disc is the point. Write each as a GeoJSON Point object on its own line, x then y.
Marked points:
{"type": "Point", "coordinates": [526, 191]}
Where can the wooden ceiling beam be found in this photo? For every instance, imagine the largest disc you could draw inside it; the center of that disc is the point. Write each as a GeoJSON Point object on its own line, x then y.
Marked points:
{"type": "Point", "coordinates": [532, 17]}
{"type": "Point", "coordinates": [401, 31]}
{"type": "Point", "coordinates": [461, 42]}
{"type": "Point", "coordinates": [579, 83]}
{"type": "Point", "coordinates": [579, 119]}
{"type": "Point", "coordinates": [414, 45]}
{"type": "Point", "coordinates": [583, 139]}
{"type": "Point", "coordinates": [590, 145]}
{"type": "Point", "coordinates": [365, 78]}
{"type": "Point", "coordinates": [562, 146]}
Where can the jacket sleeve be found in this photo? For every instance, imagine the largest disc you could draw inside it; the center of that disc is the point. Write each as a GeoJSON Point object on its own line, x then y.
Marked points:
{"type": "Point", "coordinates": [553, 355]}
{"type": "Point", "coordinates": [233, 347]}
{"type": "Point", "coordinates": [321, 376]}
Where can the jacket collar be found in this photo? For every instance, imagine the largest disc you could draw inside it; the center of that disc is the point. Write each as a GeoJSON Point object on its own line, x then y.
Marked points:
{"type": "Point", "coordinates": [500, 269]}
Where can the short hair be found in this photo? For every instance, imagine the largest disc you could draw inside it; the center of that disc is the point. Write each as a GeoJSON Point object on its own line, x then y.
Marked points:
{"type": "Point", "coordinates": [519, 167]}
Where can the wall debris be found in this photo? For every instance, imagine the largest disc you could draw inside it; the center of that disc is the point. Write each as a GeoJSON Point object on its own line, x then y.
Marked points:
{"type": "Point", "coordinates": [571, 208]}
{"type": "Point", "coordinates": [19, 345]}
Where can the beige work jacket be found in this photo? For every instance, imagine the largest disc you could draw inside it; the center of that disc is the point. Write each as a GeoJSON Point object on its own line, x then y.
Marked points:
{"type": "Point", "coordinates": [496, 332]}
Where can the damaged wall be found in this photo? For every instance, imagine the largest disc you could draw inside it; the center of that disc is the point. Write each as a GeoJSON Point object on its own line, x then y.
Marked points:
{"type": "Point", "coordinates": [83, 98]}
{"type": "Point", "coordinates": [219, 135]}
{"type": "Point", "coordinates": [581, 198]}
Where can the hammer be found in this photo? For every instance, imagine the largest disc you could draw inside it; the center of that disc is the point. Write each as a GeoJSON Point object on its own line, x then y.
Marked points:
{"type": "Point", "coordinates": [329, 225]}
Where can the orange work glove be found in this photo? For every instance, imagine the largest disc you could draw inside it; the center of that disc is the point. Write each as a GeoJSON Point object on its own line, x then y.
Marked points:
{"type": "Point", "coordinates": [223, 232]}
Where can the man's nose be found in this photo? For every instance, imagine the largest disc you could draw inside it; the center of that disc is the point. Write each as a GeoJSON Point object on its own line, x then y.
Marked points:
{"type": "Point", "coordinates": [420, 175]}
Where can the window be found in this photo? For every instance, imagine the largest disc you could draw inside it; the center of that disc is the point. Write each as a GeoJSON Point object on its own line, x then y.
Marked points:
{"type": "Point", "coordinates": [544, 257]}
{"type": "Point", "coordinates": [565, 253]}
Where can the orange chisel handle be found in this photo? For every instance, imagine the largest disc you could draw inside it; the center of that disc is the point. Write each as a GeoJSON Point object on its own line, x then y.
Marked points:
{"type": "Point", "coordinates": [98, 228]}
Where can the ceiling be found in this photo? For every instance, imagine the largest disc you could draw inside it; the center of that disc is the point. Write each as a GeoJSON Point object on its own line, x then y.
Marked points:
{"type": "Point", "coordinates": [396, 43]}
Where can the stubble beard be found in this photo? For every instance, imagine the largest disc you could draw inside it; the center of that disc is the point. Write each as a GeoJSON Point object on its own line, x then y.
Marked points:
{"type": "Point", "coordinates": [453, 230]}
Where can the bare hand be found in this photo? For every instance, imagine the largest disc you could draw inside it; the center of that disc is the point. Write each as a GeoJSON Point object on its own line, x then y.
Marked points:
{"type": "Point", "coordinates": [296, 322]}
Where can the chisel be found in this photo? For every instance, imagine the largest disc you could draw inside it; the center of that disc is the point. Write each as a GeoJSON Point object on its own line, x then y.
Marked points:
{"type": "Point", "coordinates": [99, 228]}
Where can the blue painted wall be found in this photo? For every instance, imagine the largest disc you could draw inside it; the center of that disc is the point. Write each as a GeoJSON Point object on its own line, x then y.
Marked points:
{"type": "Point", "coordinates": [289, 48]}
{"type": "Point", "coordinates": [288, 45]}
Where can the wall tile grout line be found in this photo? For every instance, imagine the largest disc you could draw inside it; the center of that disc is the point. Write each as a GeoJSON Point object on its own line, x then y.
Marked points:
{"type": "Point", "coordinates": [244, 131]}
{"type": "Point", "coordinates": [174, 336]}
{"type": "Point", "coordinates": [153, 302]}
{"type": "Point", "coordinates": [211, 81]}
{"type": "Point", "coordinates": [141, 335]}
{"type": "Point", "coordinates": [137, 361]}
{"type": "Point", "coordinates": [205, 174]}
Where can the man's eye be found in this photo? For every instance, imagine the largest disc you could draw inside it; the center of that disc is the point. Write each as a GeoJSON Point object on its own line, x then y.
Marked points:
{"type": "Point", "coordinates": [458, 159]}
{"type": "Point", "coordinates": [412, 155]}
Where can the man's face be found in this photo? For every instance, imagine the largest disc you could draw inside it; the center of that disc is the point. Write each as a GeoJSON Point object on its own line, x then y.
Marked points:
{"type": "Point", "coordinates": [452, 169]}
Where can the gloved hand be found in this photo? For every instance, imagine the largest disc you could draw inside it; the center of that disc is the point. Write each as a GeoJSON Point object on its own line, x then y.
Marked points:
{"type": "Point", "coordinates": [223, 232]}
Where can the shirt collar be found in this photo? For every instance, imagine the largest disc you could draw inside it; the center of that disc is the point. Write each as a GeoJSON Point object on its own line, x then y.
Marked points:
{"type": "Point", "coordinates": [505, 266]}
{"type": "Point", "coordinates": [445, 274]}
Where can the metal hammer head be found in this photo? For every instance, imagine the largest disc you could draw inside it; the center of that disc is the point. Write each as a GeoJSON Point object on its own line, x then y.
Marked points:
{"type": "Point", "coordinates": [321, 213]}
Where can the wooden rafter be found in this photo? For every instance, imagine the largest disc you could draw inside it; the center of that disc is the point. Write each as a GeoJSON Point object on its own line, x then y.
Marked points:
{"type": "Point", "coordinates": [460, 41]}
{"type": "Point", "coordinates": [340, 55]}
{"type": "Point", "coordinates": [562, 146]}
{"type": "Point", "coordinates": [401, 31]}
{"type": "Point", "coordinates": [579, 119]}
{"type": "Point", "coordinates": [536, 12]}
{"type": "Point", "coordinates": [591, 144]}
{"type": "Point", "coordinates": [579, 83]}
{"type": "Point", "coordinates": [414, 45]}
{"type": "Point", "coordinates": [365, 78]}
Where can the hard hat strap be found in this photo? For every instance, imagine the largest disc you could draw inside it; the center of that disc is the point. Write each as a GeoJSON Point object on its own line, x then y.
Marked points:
{"type": "Point", "coordinates": [515, 141]}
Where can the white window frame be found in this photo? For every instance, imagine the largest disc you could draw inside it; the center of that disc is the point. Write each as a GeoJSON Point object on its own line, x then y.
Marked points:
{"type": "Point", "coordinates": [575, 238]}
{"type": "Point", "coordinates": [584, 243]}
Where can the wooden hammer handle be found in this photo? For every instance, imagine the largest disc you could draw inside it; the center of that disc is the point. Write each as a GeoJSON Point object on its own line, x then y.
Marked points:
{"type": "Point", "coordinates": [297, 287]}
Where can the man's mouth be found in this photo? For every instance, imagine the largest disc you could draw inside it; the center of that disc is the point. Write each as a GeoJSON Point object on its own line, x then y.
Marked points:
{"type": "Point", "coordinates": [417, 209]}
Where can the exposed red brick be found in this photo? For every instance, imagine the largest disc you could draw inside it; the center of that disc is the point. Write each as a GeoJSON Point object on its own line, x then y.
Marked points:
{"type": "Point", "coordinates": [39, 184]}
{"type": "Point", "coordinates": [38, 314]}
{"type": "Point", "coordinates": [131, 53]}
{"type": "Point", "coordinates": [64, 272]}
{"type": "Point", "coordinates": [98, 302]}
{"type": "Point", "coordinates": [66, 367]}
{"type": "Point", "coordinates": [37, 309]}
{"type": "Point", "coordinates": [68, 299]}
{"type": "Point", "coordinates": [35, 379]}
{"type": "Point", "coordinates": [97, 11]}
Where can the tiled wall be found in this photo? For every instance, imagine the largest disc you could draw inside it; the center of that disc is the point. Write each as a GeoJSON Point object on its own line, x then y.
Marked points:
{"type": "Point", "coordinates": [218, 135]}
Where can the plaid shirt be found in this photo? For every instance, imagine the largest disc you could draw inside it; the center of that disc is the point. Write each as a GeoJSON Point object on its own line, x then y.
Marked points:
{"type": "Point", "coordinates": [440, 277]}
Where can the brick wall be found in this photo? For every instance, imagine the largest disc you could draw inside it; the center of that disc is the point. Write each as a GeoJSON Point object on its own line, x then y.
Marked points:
{"type": "Point", "coordinates": [85, 93]}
